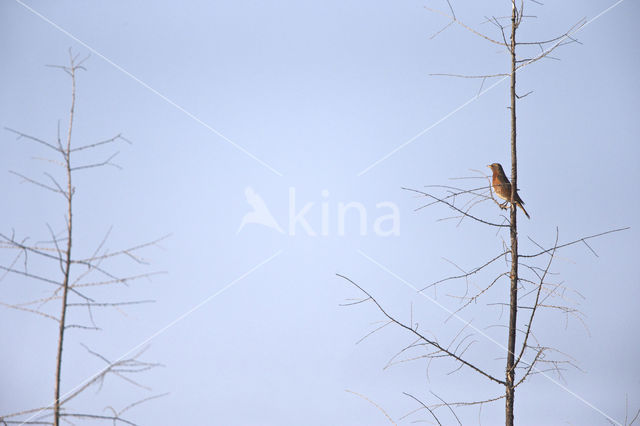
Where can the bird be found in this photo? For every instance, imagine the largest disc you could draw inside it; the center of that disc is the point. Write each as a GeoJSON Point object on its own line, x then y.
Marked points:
{"type": "Point", "coordinates": [502, 187]}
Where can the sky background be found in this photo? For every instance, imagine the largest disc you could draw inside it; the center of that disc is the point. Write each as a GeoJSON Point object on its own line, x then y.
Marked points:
{"type": "Point", "coordinates": [319, 91]}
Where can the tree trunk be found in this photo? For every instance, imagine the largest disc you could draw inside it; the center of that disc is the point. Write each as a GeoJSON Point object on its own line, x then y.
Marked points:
{"type": "Point", "coordinates": [67, 260]}
{"type": "Point", "coordinates": [513, 309]}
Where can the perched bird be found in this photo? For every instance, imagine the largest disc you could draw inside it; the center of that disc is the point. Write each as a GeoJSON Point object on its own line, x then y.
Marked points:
{"type": "Point", "coordinates": [502, 187]}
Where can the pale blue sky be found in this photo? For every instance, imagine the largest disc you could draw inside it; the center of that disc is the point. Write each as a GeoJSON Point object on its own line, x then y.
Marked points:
{"type": "Point", "coordinates": [319, 91]}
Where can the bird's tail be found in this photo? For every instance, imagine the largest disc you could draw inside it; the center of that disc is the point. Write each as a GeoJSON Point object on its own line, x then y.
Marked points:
{"type": "Point", "coordinates": [523, 210]}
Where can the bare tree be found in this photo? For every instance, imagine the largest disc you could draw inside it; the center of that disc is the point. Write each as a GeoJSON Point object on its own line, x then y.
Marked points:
{"type": "Point", "coordinates": [532, 288]}
{"type": "Point", "coordinates": [78, 275]}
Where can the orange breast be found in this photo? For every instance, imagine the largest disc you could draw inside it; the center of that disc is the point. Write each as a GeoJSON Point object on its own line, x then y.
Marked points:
{"type": "Point", "coordinates": [502, 187]}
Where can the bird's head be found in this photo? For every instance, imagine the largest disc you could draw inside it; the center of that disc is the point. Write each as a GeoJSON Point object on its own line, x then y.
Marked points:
{"type": "Point", "coordinates": [496, 168]}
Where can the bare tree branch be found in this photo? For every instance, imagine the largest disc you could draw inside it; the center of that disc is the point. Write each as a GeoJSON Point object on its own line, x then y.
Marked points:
{"type": "Point", "coordinates": [535, 307]}
{"type": "Point", "coordinates": [463, 25]}
{"type": "Point", "coordinates": [421, 336]}
{"type": "Point", "coordinates": [552, 249]}
{"type": "Point", "coordinates": [450, 205]}
{"type": "Point", "coordinates": [424, 406]}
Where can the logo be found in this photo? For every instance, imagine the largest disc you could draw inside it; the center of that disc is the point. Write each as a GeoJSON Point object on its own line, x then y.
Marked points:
{"type": "Point", "coordinates": [260, 214]}
{"type": "Point", "coordinates": [333, 220]}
